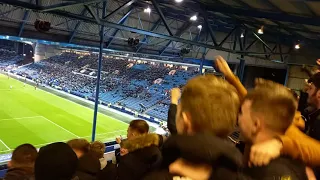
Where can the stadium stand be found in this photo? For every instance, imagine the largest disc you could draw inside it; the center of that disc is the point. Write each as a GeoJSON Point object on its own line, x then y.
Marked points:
{"type": "Point", "coordinates": [140, 86]}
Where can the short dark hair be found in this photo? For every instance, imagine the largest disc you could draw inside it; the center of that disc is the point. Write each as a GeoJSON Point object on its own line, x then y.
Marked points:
{"type": "Point", "coordinates": [24, 156]}
{"type": "Point", "coordinates": [140, 126]}
{"type": "Point", "coordinates": [275, 103]}
{"type": "Point", "coordinates": [212, 104]}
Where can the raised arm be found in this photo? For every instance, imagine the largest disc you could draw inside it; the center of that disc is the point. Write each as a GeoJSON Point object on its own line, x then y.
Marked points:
{"type": "Point", "coordinates": [171, 121]}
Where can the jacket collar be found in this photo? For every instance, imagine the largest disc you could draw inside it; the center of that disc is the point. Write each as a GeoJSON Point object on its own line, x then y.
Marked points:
{"type": "Point", "coordinates": [140, 142]}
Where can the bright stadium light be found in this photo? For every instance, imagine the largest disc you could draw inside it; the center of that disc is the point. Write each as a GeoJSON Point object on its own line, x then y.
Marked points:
{"type": "Point", "coordinates": [241, 36]}
{"type": "Point", "coordinates": [297, 46]}
{"type": "Point", "coordinates": [178, 1]}
{"type": "Point", "coordinates": [24, 54]}
{"type": "Point", "coordinates": [260, 31]}
{"type": "Point", "coordinates": [200, 27]}
{"type": "Point", "coordinates": [194, 18]}
{"type": "Point", "coordinates": [147, 10]}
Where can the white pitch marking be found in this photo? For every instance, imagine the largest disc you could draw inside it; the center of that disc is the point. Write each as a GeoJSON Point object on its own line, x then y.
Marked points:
{"type": "Point", "coordinates": [60, 126]}
{"type": "Point", "coordinates": [20, 118]}
{"type": "Point", "coordinates": [5, 144]}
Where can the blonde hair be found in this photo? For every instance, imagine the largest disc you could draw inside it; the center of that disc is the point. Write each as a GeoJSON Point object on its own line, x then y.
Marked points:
{"type": "Point", "coordinates": [212, 104]}
{"type": "Point", "coordinates": [275, 103]}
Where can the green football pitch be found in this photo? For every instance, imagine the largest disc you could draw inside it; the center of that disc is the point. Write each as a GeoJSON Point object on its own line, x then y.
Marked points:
{"type": "Point", "coordinates": [39, 118]}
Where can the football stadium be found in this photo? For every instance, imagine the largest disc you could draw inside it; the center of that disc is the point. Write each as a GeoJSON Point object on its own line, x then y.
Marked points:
{"type": "Point", "coordinates": [159, 89]}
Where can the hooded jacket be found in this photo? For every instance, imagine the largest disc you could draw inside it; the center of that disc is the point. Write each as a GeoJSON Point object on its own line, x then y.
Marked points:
{"type": "Point", "coordinates": [144, 156]}
{"type": "Point", "coordinates": [19, 174]}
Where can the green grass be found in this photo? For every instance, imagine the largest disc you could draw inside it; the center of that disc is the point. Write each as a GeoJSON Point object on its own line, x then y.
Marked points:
{"type": "Point", "coordinates": [38, 117]}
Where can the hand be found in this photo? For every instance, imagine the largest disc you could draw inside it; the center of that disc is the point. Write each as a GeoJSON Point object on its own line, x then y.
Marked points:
{"type": "Point", "coordinates": [123, 151]}
{"type": "Point", "coordinates": [175, 95]}
{"type": "Point", "coordinates": [118, 140]}
{"type": "Point", "coordinates": [261, 154]}
{"type": "Point", "coordinates": [223, 66]}
{"type": "Point", "coordinates": [310, 174]}
{"type": "Point", "coordinates": [193, 171]}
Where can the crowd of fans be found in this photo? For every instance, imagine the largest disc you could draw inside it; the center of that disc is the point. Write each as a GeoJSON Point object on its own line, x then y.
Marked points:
{"type": "Point", "coordinates": [275, 143]}
{"type": "Point", "coordinates": [8, 57]}
{"type": "Point", "coordinates": [120, 80]}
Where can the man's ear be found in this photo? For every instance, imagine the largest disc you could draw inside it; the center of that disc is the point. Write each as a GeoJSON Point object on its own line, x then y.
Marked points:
{"type": "Point", "coordinates": [10, 164]}
{"type": "Point", "coordinates": [256, 125]}
{"type": "Point", "coordinates": [187, 122]}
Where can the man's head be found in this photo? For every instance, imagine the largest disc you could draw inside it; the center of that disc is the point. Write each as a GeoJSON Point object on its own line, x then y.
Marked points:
{"type": "Point", "coordinates": [267, 111]}
{"type": "Point", "coordinates": [97, 149]}
{"type": "Point", "coordinates": [137, 128]}
{"type": "Point", "coordinates": [207, 104]}
{"type": "Point", "coordinates": [79, 146]}
{"type": "Point", "coordinates": [313, 90]}
{"type": "Point", "coordinates": [23, 156]}
{"type": "Point", "coordinates": [56, 161]}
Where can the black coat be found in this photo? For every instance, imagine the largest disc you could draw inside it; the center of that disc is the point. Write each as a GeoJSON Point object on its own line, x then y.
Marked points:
{"type": "Point", "coordinates": [200, 148]}
{"type": "Point", "coordinates": [19, 174]}
{"type": "Point", "coordinates": [144, 156]}
{"type": "Point", "coordinates": [88, 167]}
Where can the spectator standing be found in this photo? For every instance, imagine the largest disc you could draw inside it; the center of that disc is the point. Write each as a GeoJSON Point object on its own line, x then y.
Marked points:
{"type": "Point", "coordinates": [56, 161]}
{"type": "Point", "coordinates": [88, 167]}
{"type": "Point", "coordinates": [98, 149]}
{"type": "Point", "coordinates": [79, 146]}
{"type": "Point", "coordinates": [21, 166]}
{"type": "Point", "coordinates": [139, 154]}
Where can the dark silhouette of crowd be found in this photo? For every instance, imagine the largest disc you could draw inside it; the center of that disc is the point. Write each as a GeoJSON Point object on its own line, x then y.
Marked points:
{"type": "Point", "coordinates": [201, 116]}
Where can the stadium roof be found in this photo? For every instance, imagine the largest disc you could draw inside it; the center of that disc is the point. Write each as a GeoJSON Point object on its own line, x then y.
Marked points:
{"type": "Point", "coordinates": [165, 28]}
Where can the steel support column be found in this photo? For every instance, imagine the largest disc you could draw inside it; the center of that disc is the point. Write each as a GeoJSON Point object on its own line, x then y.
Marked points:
{"type": "Point", "coordinates": [157, 7]}
{"type": "Point", "coordinates": [178, 34]}
{"type": "Point", "coordinates": [201, 63]}
{"type": "Point", "coordinates": [228, 35]}
{"type": "Point", "coordinates": [241, 70]}
{"type": "Point", "coordinates": [121, 21]}
{"type": "Point", "coordinates": [154, 27]}
{"type": "Point", "coordinates": [96, 103]}
{"type": "Point", "coordinates": [77, 26]}
{"type": "Point", "coordinates": [119, 9]}
{"type": "Point", "coordinates": [287, 76]}
{"type": "Point", "coordinates": [24, 21]}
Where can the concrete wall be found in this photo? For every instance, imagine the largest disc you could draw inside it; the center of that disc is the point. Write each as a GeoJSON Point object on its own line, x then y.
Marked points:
{"type": "Point", "coordinates": [43, 51]}
{"type": "Point", "coordinates": [296, 77]}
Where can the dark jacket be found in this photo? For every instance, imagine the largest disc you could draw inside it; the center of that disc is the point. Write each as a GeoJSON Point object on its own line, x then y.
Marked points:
{"type": "Point", "coordinates": [200, 148]}
{"type": "Point", "coordinates": [144, 156]}
{"type": "Point", "coordinates": [19, 174]}
{"type": "Point", "coordinates": [313, 124]}
{"type": "Point", "coordinates": [171, 121]}
{"type": "Point", "coordinates": [226, 160]}
{"type": "Point", "coordinates": [88, 167]}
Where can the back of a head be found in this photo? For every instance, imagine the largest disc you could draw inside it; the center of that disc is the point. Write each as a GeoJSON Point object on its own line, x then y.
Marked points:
{"type": "Point", "coordinates": [24, 156]}
{"type": "Point", "coordinates": [56, 161]}
{"type": "Point", "coordinates": [97, 149]}
{"type": "Point", "coordinates": [81, 144]}
{"type": "Point", "coordinates": [275, 104]}
{"type": "Point", "coordinates": [212, 103]}
{"type": "Point", "coordinates": [139, 126]}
